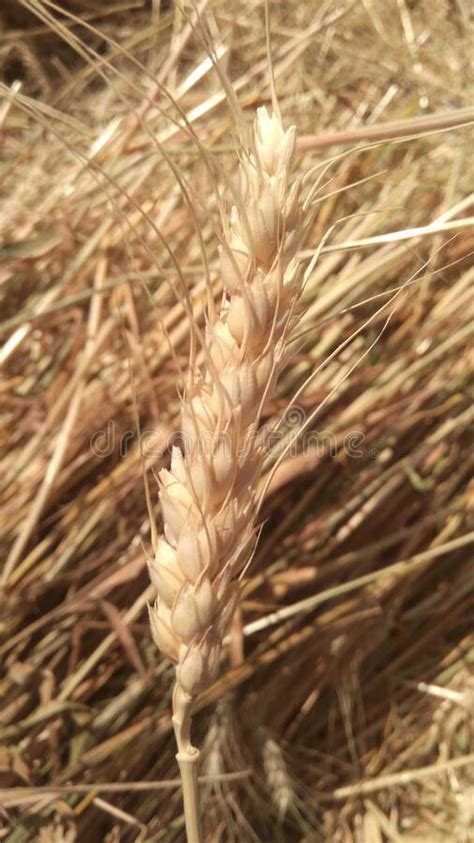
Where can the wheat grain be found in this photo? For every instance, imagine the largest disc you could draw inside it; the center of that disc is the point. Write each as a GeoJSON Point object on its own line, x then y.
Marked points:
{"type": "Point", "coordinates": [208, 495]}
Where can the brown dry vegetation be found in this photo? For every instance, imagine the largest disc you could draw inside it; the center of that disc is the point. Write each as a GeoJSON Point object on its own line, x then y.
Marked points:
{"type": "Point", "coordinates": [344, 708]}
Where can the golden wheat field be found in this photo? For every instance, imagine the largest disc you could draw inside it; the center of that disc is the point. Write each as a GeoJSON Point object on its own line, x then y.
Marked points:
{"type": "Point", "coordinates": [248, 223]}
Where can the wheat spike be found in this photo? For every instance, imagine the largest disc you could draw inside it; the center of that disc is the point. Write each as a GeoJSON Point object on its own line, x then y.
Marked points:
{"type": "Point", "coordinates": [208, 495]}
{"type": "Point", "coordinates": [278, 778]}
{"type": "Point", "coordinates": [56, 832]}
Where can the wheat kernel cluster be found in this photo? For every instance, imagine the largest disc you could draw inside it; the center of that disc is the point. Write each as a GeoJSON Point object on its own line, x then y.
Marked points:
{"type": "Point", "coordinates": [208, 494]}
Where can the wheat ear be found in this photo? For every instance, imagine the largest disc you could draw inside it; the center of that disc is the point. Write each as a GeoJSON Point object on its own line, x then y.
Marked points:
{"type": "Point", "coordinates": [208, 495]}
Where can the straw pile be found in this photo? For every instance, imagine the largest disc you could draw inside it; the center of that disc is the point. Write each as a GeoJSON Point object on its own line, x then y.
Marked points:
{"type": "Point", "coordinates": [344, 706]}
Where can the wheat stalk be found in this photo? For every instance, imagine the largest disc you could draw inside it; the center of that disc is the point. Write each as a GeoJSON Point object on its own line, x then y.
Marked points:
{"type": "Point", "coordinates": [208, 497]}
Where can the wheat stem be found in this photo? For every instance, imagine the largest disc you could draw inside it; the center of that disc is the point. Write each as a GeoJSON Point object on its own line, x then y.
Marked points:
{"type": "Point", "coordinates": [386, 131]}
{"type": "Point", "coordinates": [188, 759]}
{"type": "Point", "coordinates": [188, 767]}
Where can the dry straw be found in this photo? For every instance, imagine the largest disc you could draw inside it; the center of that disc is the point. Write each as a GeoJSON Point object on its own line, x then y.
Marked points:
{"type": "Point", "coordinates": [374, 557]}
{"type": "Point", "coordinates": [208, 497]}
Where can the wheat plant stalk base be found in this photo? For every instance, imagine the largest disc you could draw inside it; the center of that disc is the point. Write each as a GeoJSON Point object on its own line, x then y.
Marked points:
{"type": "Point", "coordinates": [188, 760]}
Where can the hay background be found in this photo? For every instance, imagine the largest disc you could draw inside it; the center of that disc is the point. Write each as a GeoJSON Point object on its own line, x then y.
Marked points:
{"type": "Point", "coordinates": [332, 687]}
